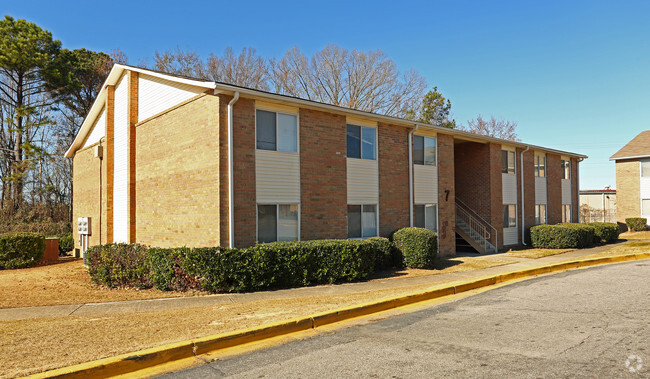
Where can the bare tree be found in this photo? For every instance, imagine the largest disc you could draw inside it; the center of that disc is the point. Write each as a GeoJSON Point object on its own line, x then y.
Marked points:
{"type": "Point", "coordinates": [367, 81]}
{"type": "Point", "coordinates": [493, 127]}
{"type": "Point", "coordinates": [246, 69]}
{"type": "Point", "coordinates": [179, 62]}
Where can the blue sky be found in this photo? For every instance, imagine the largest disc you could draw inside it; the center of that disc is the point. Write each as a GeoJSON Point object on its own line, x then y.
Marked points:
{"type": "Point", "coordinates": [573, 74]}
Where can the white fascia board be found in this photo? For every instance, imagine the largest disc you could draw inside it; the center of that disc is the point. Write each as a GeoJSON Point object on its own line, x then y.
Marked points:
{"type": "Point", "coordinates": [633, 157]}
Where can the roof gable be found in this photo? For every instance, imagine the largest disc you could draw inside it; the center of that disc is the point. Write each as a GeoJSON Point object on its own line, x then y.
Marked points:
{"type": "Point", "coordinates": [639, 147]}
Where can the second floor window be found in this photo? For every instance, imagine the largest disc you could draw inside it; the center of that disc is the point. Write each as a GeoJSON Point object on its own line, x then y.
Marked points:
{"type": "Point", "coordinates": [540, 165]}
{"type": "Point", "coordinates": [362, 142]}
{"type": "Point", "coordinates": [276, 131]}
{"type": "Point", "coordinates": [566, 169]}
{"type": "Point", "coordinates": [507, 162]}
{"type": "Point", "coordinates": [424, 150]}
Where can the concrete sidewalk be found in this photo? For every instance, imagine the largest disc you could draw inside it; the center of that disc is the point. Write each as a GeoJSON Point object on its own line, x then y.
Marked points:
{"type": "Point", "coordinates": [96, 309]}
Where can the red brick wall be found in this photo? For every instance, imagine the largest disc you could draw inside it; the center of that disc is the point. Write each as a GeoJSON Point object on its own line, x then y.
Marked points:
{"type": "Point", "coordinates": [323, 175]}
{"type": "Point", "coordinates": [496, 190]}
{"type": "Point", "coordinates": [133, 119]}
{"type": "Point", "coordinates": [446, 205]}
{"type": "Point", "coordinates": [554, 188]}
{"type": "Point", "coordinates": [244, 173]}
{"type": "Point", "coordinates": [575, 201]}
{"type": "Point", "coordinates": [471, 161]}
{"type": "Point", "coordinates": [393, 178]}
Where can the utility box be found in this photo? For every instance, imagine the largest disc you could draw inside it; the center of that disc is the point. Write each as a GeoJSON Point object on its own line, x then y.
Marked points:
{"type": "Point", "coordinates": [99, 151]}
{"type": "Point", "coordinates": [84, 226]}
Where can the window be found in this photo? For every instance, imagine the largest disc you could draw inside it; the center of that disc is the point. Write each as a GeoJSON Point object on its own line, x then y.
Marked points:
{"type": "Point", "coordinates": [645, 169]}
{"type": "Point", "coordinates": [424, 150]}
{"type": "Point", "coordinates": [566, 212]}
{"type": "Point", "coordinates": [277, 131]}
{"type": "Point", "coordinates": [645, 207]}
{"type": "Point", "coordinates": [540, 214]}
{"type": "Point", "coordinates": [510, 216]}
{"type": "Point", "coordinates": [362, 221]}
{"type": "Point", "coordinates": [540, 165]}
{"type": "Point", "coordinates": [426, 216]}
{"type": "Point", "coordinates": [362, 142]}
{"type": "Point", "coordinates": [277, 222]}
{"type": "Point", "coordinates": [507, 162]}
{"type": "Point", "coordinates": [566, 169]}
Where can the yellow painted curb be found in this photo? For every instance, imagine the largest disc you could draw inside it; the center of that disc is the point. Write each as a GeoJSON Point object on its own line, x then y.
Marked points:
{"type": "Point", "coordinates": [126, 363]}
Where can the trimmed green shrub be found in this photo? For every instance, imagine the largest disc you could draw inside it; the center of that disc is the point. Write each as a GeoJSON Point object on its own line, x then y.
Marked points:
{"type": "Point", "coordinates": [66, 243]}
{"type": "Point", "coordinates": [605, 232]}
{"type": "Point", "coordinates": [217, 269]}
{"type": "Point", "coordinates": [418, 246]}
{"type": "Point", "coordinates": [562, 236]}
{"type": "Point", "coordinates": [119, 265]}
{"type": "Point", "coordinates": [18, 250]}
{"type": "Point", "coordinates": [636, 224]}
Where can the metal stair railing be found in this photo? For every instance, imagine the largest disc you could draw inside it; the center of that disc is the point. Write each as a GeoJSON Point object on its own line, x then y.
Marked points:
{"type": "Point", "coordinates": [481, 231]}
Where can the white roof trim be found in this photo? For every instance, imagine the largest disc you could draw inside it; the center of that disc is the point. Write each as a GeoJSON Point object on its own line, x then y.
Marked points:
{"type": "Point", "coordinates": [118, 70]}
{"type": "Point", "coordinates": [632, 157]}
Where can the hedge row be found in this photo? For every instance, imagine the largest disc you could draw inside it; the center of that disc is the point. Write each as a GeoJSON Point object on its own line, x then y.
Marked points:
{"type": "Point", "coordinates": [636, 224]}
{"type": "Point", "coordinates": [263, 266]}
{"type": "Point", "coordinates": [562, 236]}
{"type": "Point", "coordinates": [18, 250]}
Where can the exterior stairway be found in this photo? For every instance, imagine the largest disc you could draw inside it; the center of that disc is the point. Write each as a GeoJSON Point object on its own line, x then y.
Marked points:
{"type": "Point", "coordinates": [475, 230]}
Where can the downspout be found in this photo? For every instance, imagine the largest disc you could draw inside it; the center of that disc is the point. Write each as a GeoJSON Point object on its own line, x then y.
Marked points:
{"type": "Point", "coordinates": [231, 187]}
{"type": "Point", "coordinates": [523, 198]}
{"type": "Point", "coordinates": [411, 174]}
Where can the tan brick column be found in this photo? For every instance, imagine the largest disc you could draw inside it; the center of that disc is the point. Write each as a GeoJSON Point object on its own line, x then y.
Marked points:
{"type": "Point", "coordinates": [575, 200]}
{"type": "Point", "coordinates": [529, 191]}
{"type": "Point", "coordinates": [446, 196]}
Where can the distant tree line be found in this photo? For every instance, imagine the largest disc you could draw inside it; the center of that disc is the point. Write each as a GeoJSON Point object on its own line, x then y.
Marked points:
{"type": "Point", "coordinates": [47, 90]}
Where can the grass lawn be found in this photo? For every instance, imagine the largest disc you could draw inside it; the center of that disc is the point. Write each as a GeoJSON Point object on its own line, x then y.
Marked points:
{"type": "Point", "coordinates": [533, 253]}
{"type": "Point", "coordinates": [67, 282]}
{"type": "Point", "coordinates": [634, 247]}
{"type": "Point", "coordinates": [645, 235]}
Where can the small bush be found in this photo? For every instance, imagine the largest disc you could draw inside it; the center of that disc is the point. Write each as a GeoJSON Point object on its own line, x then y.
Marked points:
{"type": "Point", "coordinates": [636, 224]}
{"type": "Point", "coordinates": [562, 236]}
{"type": "Point", "coordinates": [605, 232]}
{"type": "Point", "coordinates": [18, 250]}
{"type": "Point", "coordinates": [418, 246]}
{"type": "Point", "coordinates": [118, 265]}
{"type": "Point", "coordinates": [66, 243]}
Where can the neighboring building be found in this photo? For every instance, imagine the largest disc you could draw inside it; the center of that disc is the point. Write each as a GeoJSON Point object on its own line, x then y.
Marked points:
{"type": "Point", "coordinates": [151, 165]}
{"type": "Point", "coordinates": [633, 178]}
{"type": "Point", "coordinates": [598, 205]}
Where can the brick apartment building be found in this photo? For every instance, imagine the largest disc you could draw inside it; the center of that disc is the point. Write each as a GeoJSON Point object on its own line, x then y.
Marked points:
{"type": "Point", "coordinates": [172, 161]}
{"type": "Point", "coordinates": [633, 178]}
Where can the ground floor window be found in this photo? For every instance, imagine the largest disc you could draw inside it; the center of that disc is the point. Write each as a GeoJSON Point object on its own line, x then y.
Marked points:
{"type": "Point", "coordinates": [566, 212]}
{"type": "Point", "coordinates": [510, 216]}
{"type": "Point", "coordinates": [277, 222]}
{"type": "Point", "coordinates": [540, 214]}
{"type": "Point", "coordinates": [426, 216]}
{"type": "Point", "coordinates": [645, 206]}
{"type": "Point", "coordinates": [362, 221]}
